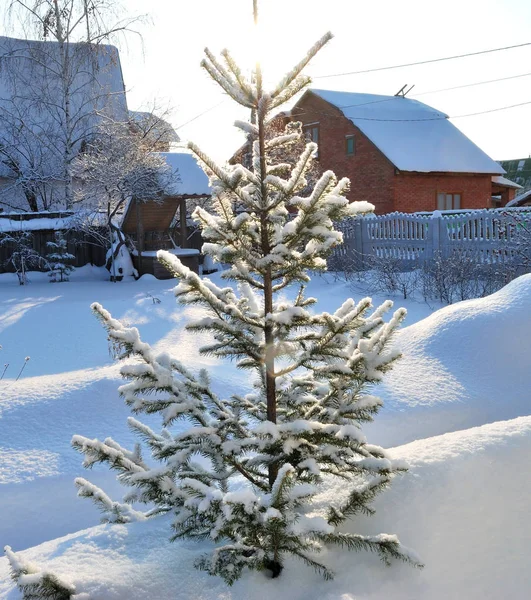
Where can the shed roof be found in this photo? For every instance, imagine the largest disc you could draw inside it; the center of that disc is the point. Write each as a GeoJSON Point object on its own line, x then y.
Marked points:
{"type": "Point", "coordinates": [504, 182]}
{"type": "Point", "coordinates": [412, 135]}
{"type": "Point", "coordinates": [192, 180]}
{"type": "Point", "coordinates": [154, 215]}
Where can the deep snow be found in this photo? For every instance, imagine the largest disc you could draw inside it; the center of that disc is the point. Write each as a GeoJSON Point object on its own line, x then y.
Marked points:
{"type": "Point", "coordinates": [465, 365]}
{"type": "Point", "coordinates": [462, 507]}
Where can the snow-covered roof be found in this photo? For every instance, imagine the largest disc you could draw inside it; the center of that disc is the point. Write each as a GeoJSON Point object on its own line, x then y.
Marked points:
{"type": "Point", "coordinates": [25, 63]}
{"type": "Point", "coordinates": [42, 221]}
{"type": "Point", "coordinates": [412, 135]}
{"type": "Point", "coordinates": [503, 181]}
{"type": "Point", "coordinates": [519, 200]}
{"type": "Point", "coordinates": [192, 179]}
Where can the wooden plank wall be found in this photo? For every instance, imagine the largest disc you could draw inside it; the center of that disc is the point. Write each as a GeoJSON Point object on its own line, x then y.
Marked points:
{"type": "Point", "coordinates": [83, 246]}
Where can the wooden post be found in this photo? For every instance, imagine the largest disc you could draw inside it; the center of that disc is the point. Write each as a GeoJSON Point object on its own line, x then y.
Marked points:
{"type": "Point", "coordinates": [184, 230]}
{"type": "Point", "coordinates": [139, 235]}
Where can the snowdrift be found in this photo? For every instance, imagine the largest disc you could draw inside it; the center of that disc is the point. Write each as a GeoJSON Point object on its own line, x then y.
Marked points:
{"type": "Point", "coordinates": [463, 507]}
{"type": "Point", "coordinates": [465, 365]}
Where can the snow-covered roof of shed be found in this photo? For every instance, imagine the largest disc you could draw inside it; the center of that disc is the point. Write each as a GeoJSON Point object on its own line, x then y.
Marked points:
{"type": "Point", "coordinates": [503, 181]}
{"type": "Point", "coordinates": [412, 135]}
{"type": "Point", "coordinates": [192, 179]}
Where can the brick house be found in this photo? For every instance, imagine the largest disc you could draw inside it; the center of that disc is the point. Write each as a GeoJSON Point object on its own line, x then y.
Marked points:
{"type": "Point", "coordinates": [399, 154]}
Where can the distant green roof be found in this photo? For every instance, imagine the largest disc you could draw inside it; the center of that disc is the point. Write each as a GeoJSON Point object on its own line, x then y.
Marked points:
{"type": "Point", "coordinates": [519, 171]}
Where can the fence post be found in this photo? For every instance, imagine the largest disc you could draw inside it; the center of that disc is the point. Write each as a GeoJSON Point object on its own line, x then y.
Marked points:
{"type": "Point", "coordinates": [365, 245]}
{"type": "Point", "coordinates": [432, 241]}
{"type": "Point", "coordinates": [436, 224]}
{"type": "Point", "coordinates": [358, 243]}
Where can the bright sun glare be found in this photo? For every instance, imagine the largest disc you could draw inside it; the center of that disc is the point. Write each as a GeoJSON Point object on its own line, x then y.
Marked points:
{"type": "Point", "coordinates": [255, 44]}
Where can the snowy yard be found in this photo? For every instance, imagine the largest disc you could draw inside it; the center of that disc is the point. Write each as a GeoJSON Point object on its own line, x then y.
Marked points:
{"type": "Point", "coordinates": [464, 377]}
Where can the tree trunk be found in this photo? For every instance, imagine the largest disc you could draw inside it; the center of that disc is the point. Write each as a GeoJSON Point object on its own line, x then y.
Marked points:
{"type": "Point", "coordinates": [31, 199]}
{"type": "Point", "coordinates": [62, 39]}
{"type": "Point", "coordinates": [270, 382]}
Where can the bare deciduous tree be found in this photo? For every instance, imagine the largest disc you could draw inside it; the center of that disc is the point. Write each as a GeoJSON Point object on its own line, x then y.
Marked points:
{"type": "Point", "coordinates": [63, 74]}
{"type": "Point", "coordinates": [120, 163]}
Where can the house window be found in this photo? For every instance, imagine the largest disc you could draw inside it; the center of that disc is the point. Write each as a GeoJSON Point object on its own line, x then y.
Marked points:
{"type": "Point", "coordinates": [311, 133]}
{"type": "Point", "coordinates": [350, 145]}
{"type": "Point", "coordinates": [448, 201]}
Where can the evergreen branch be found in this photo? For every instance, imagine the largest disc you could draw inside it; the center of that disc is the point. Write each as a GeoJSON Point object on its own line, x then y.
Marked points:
{"type": "Point", "coordinates": [327, 574]}
{"type": "Point", "coordinates": [114, 512]}
{"type": "Point", "coordinates": [35, 583]}
{"type": "Point", "coordinates": [385, 545]}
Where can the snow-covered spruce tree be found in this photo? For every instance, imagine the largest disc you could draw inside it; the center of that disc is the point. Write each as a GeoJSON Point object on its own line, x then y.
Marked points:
{"type": "Point", "coordinates": [244, 472]}
{"type": "Point", "coordinates": [36, 584]}
{"type": "Point", "coordinates": [59, 259]}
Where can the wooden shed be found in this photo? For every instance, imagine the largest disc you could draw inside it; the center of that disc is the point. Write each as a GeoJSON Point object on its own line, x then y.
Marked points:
{"type": "Point", "coordinates": [149, 225]}
{"type": "Point", "coordinates": [161, 224]}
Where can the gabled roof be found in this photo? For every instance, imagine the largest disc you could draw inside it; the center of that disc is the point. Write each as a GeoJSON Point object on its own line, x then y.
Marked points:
{"type": "Point", "coordinates": [192, 180]}
{"type": "Point", "coordinates": [24, 64]}
{"type": "Point", "coordinates": [412, 135]}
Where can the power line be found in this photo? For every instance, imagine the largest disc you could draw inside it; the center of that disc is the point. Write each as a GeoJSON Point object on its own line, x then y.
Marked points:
{"type": "Point", "coordinates": [200, 115]}
{"type": "Point", "coordinates": [459, 87]}
{"type": "Point", "coordinates": [423, 62]}
{"type": "Point", "coordinates": [415, 95]}
{"type": "Point", "coordinates": [483, 112]}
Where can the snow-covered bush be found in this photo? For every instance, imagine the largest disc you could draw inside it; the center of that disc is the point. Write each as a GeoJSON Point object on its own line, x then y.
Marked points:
{"type": "Point", "coordinates": [243, 471]}
{"type": "Point", "coordinates": [59, 259]}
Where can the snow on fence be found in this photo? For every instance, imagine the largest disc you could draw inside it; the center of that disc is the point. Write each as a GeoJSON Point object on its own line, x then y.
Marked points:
{"type": "Point", "coordinates": [43, 226]}
{"type": "Point", "coordinates": [489, 236]}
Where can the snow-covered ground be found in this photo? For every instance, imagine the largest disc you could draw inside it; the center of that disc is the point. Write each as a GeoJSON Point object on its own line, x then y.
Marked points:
{"type": "Point", "coordinates": [464, 366]}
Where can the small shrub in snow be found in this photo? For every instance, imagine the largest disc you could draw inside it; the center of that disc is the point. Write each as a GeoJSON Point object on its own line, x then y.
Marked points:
{"type": "Point", "coordinates": [517, 229]}
{"type": "Point", "coordinates": [23, 257]}
{"type": "Point", "coordinates": [244, 471]}
{"type": "Point", "coordinates": [389, 275]}
{"type": "Point", "coordinates": [36, 584]}
{"type": "Point", "coordinates": [59, 259]}
{"type": "Point", "coordinates": [462, 276]}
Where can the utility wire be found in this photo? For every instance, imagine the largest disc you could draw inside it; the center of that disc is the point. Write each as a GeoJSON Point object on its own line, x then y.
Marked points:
{"type": "Point", "coordinates": [459, 87]}
{"type": "Point", "coordinates": [484, 112]}
{"type": "Point", "coordinates": [423, 62]}
{"type": "Point", "coordinates": [200, 115]}
{"type": "Point", "coordinates": [441, 118]}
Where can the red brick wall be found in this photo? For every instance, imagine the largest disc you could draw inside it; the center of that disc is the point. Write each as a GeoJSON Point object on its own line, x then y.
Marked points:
{"type": "Point", "coordinates": [373, 177]}
{"type": "Point", "coordinates": [418, 191]}
{"type": "Point", "coordinates": [371, 174]}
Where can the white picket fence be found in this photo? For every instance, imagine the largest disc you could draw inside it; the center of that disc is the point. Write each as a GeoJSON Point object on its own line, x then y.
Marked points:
{"type": "Point", "coordinates": [489, 236]}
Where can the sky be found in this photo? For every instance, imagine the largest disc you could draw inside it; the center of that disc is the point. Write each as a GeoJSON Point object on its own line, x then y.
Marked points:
{"type": "Point", "coordinates": [165, 68]}
{"type": "Point", "coordinates": [366, 35]}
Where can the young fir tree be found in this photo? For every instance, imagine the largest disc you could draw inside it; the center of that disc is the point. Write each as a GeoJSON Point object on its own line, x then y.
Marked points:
{"type": "Point", "coordinates": [243, 472]}
{"type": "Point", "coordinates": [59, 259]}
